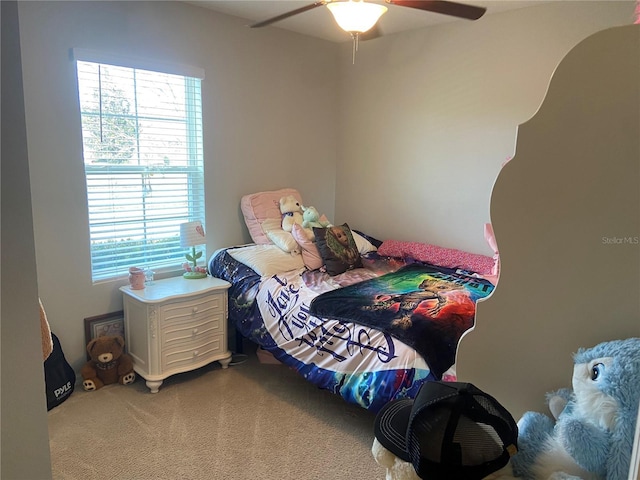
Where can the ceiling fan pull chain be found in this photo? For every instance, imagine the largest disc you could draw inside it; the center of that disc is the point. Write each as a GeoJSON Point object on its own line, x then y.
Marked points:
{"type": "Point", "coordinates": [356, 37]}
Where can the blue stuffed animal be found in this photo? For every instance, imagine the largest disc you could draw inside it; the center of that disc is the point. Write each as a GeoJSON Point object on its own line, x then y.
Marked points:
{"type": "Point", "coordinates": [592, 437]}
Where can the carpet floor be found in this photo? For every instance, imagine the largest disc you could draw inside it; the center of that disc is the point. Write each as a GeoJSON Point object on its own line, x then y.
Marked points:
{"type": "Point", "coordinates": [250, 421]}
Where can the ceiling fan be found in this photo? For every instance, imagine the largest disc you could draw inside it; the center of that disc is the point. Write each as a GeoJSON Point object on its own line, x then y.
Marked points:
{"type": "Point", "coordinates": [357, 16]}
{"type": "Point", "coordinates": [362, 8]}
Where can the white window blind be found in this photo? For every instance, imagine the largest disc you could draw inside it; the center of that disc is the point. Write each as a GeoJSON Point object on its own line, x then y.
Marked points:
{"type": "Point", "coordinates": [143, 160]}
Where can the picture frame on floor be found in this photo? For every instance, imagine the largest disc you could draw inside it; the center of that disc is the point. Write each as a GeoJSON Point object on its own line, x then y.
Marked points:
{"type": "Point", "coordinates": [105, 324]}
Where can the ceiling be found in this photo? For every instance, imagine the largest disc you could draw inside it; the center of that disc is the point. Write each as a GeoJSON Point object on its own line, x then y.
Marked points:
{"type": "Point", "coordinates": [319, 21]}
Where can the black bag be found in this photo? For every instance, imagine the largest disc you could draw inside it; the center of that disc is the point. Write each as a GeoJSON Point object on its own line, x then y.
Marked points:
{"type": "Point", "coordinates": [59, 377]}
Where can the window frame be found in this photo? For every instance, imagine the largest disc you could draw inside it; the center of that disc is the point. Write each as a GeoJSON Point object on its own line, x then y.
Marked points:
{"type": "Point", "coordinates": [195, 204]}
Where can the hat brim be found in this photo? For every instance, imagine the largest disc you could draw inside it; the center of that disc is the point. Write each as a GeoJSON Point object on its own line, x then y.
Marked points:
{"type": "Point", "coordinates": [390, 427]}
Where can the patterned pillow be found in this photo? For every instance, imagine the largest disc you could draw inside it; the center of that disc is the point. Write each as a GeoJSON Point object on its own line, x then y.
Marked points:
{"type": "Point", "coordinates": [435, 255]}
{"type": "Point", "coordinates": [337, 248]}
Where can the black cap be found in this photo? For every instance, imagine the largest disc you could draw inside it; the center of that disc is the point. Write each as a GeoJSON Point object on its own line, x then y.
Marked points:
{"type": "Point", "coordinates": [451, 431]}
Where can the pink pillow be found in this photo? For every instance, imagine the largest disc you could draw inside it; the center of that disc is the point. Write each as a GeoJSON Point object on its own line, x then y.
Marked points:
{"type": "Point", "coordinates": [258, 207]}
{"type": "Point", "coordinates": [310, 254]}
{"type": "Point", "coordinates": [435, 255]}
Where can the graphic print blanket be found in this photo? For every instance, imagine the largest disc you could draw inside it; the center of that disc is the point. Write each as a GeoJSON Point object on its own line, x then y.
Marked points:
{"type": "Point", "coordinates": [424, 306]}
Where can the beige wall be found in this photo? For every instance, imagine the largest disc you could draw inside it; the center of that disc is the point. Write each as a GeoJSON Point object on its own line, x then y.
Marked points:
{"type": "Point", "coordinates": [268, 108]}
{"type": "Point", "coordinates": [428, 117]}
{"type": "Point", "coordinates": [566, 211]}
{"type": "Point", "coordinates": [24, 443]}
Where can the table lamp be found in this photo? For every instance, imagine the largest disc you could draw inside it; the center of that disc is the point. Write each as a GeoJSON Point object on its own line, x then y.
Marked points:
{"type": "Point", "coordinates": [192, 234]}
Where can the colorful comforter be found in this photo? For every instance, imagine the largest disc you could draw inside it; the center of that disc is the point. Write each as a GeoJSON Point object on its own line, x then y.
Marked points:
{"type": "Point", "coordinates": [425, 307]}
{"type": "Point", "coordinates": [374, 356]}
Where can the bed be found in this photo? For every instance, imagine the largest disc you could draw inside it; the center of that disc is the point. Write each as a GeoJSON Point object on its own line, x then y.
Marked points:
{"type": "Point", "coordinates": [370, 327]}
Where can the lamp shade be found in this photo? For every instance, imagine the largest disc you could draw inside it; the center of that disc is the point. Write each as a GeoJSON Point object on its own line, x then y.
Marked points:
{"type": "Point", "coordinates": [356, 16]}
{"type": "Point", "coordinates": [191, 234]}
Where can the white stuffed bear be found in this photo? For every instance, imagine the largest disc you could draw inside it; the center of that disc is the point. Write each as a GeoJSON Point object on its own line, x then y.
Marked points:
{"type": "Point", "coordinates": [291, 211]}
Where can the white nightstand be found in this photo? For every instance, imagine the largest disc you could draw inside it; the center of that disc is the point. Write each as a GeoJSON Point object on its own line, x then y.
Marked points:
{"type": "Point", "coordinates": [176, 325]}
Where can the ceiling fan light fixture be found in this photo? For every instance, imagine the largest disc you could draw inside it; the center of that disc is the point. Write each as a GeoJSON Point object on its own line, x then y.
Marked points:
{"type": "Point", "coordinates": [356, 16]}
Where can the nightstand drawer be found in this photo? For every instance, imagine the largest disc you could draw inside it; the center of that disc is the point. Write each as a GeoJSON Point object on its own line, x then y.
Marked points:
{"type": "Point", "coordinates": [193, 330]}
{"type": "Point", "coordinates": [184, 354]}
{"type": "Point", "coordinates": [193, 311]}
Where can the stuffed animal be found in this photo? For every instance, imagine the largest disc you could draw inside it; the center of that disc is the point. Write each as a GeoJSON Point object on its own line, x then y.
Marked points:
{"type": "Point", "coordinates": [311, 218]}
{"type": "Point", "coordinates": [108, 364]}
{"type": "Point", "coordinates": [592, 437]}
{"type": "Point", "coordinates": [291, 211]}
{"type": "Point", "coordinates": [398, 469]}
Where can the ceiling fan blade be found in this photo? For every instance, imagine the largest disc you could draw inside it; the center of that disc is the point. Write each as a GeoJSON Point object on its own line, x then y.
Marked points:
{"type": "Point", "coordinates": [306, 8]}
{"type": "Point", "coordinates": [462, 10]}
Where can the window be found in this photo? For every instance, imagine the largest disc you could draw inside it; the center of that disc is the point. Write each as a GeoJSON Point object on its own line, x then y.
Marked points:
{"type": "Point", "coordinates": [143, 160]}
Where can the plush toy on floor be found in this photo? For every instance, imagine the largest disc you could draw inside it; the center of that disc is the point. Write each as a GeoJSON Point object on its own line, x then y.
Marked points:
{"type": "Point", "coordinates": [398, 469]}
{"type": "Point", "coordinates": [592, 438]}
{"type": "Point", "coordinates": [291, 211]}
{"type": "Point", "coordinates": [108, 364]}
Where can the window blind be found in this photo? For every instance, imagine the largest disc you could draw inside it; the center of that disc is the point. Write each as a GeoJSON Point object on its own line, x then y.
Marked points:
{"type": "Point", "coordinates": [143, 160]}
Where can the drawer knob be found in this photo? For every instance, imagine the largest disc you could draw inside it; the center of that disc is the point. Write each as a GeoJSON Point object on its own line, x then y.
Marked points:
{"type": "Point", "coordinates": [194, 310]}
{"type": "Point", "coordinates": [195, 353]}
{"type": "Point", "coordinates": [194, 331]}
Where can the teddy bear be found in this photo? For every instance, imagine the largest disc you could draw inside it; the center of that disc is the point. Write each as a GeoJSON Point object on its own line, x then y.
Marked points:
{"type": "Point", "coordinates": [291, 211]}
{"type": "Point", "coordinates": [108, 363]}
{"type": "Point", "coordinates": [592, 434]}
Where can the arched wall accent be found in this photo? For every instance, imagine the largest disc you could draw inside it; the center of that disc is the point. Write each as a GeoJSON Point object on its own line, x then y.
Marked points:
{"type": "Point", "coordinates": [566, 215]}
